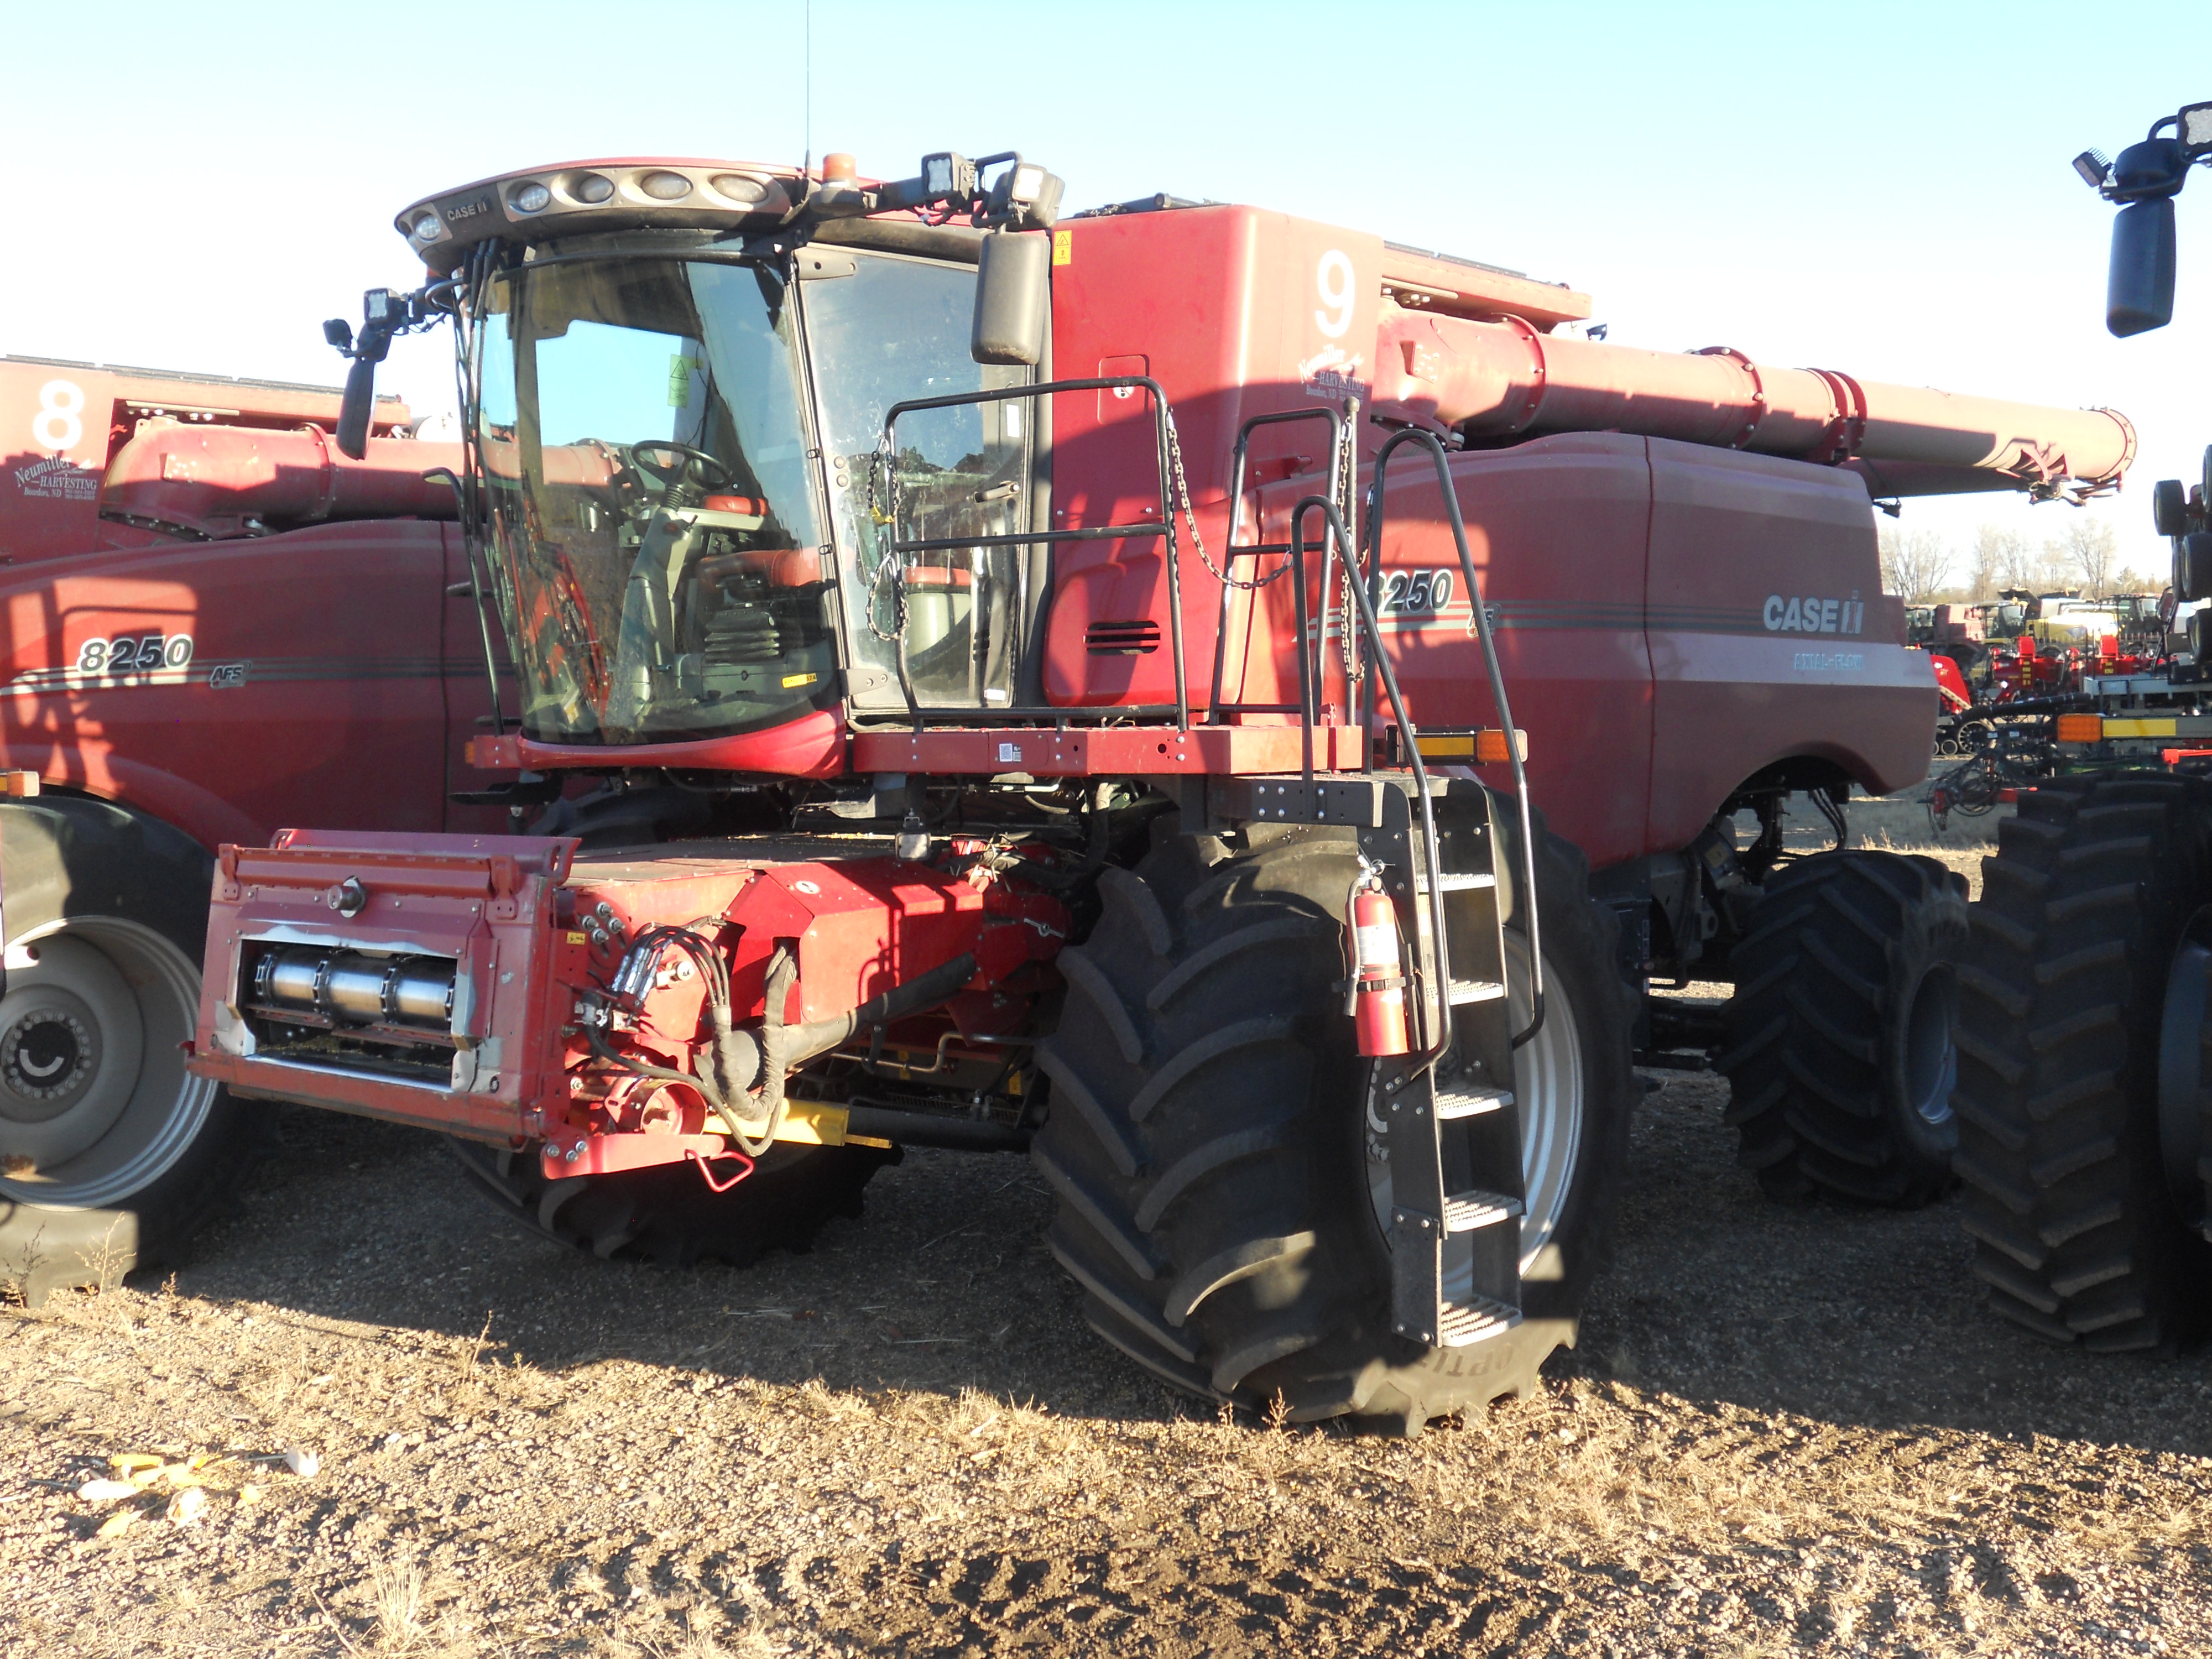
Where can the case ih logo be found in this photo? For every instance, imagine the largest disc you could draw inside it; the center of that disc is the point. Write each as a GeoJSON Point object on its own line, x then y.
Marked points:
{"type": "Point", "coordinates": [1788, 614]}
{"type": "Point", "coordinates": [58, 478]}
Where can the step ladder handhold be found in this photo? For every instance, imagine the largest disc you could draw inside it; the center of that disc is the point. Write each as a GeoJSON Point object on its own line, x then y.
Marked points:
{"type": "Point", "coordinates": [1464, 1213]}
{"type": "Point", "coordinates": [1470, 1101]}
{"type": "Point", "coordinates": [1471, 1321]}
{"type": "Point", "coordinates": [1475, 990]}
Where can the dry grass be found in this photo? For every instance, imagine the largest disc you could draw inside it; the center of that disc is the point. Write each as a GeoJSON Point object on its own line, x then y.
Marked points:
{"type": "Point", "coordinates": [395, 1594]}
{"type": "Point", "coordinates": [1786, 1432]}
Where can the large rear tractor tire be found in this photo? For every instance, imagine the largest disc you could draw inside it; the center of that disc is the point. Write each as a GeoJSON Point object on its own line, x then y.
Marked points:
{"type": "Point", "coordinates": [667, 1214]}
{"type": "Point", "coordinates": [1841, 1063]}
{"type": "Point", "coordinates": [2084, 999]}
{"type": "Point", "coordinates": [1221, 1202]}
{"type": "Point", "coordinates": [112, 1156]}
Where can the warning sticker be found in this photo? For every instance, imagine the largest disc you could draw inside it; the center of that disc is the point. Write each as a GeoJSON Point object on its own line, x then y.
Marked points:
{"type": "Point", "coordinates": [680, 370]}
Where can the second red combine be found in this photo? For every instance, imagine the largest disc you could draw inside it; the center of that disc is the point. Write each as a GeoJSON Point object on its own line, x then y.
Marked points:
{"type": "Point", "coordinates": [1118, 661]}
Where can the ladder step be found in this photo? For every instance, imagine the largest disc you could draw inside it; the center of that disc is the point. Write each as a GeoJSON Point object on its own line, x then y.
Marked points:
{"type": "Point", "coordinates": [1470, 1103]}
{"type": "Point", "coordinates": [1465, 1213]}
{"type": "Point", "coordinates": [1475, 990]}
{"type": "Point", "coordinates": [1473, 1321]}
{"type": "Point", "coordinates": [1462, 882]}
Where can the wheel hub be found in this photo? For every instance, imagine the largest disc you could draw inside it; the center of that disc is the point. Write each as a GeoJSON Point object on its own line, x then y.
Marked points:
{"type": "Point", "coordinates": [1549, 1088]}
{"type": "Point", "coordinates": [49, 1054]}
{"type": "Point", "coordinates": [2182, 1032]}
{"type": "Point", "coordinates": [1931, 1053]}
{"type": "Point", "coordinates": [93, 1101]}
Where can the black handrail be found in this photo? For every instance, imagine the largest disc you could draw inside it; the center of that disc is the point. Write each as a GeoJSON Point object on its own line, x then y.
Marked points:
{"type": "Point", "coordinates": [1231, 553]}
{"type": "Point", "coordinates": [1374, 499]}
{"type": "Point", "coordinates": [1431, 846]}
{"type": "Point", "coordinates": [1161, 416]}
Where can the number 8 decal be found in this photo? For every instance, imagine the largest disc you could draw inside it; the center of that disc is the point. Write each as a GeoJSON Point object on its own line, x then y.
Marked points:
{"type": "Point", "coordinates": [58, 425]}
{"type": "Point", "coordinates": [1338, 286]}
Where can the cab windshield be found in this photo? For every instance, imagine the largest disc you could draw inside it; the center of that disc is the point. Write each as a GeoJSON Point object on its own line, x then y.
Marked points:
{"type": "Point", "coordinates": [654, 538]}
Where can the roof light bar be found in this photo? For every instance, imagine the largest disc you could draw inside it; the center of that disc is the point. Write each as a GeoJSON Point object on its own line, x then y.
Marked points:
{"type": "Point", "coordinates": [580, 198]}
{"type": "Point", "coordinates": [546, 203]}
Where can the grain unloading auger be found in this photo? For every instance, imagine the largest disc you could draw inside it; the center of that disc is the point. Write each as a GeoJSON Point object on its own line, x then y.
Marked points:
{"type": "Point", "coordinates": [993, 681]}
{"type": "Point", "coordinates": [1506, 380]}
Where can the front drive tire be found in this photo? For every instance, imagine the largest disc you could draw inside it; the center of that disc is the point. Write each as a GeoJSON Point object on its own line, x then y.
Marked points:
{"type": "Point", "coordinates": [1208, 1146]}
{"type": "Point", "coordinates": [2077, 1213]}
{"type": "Point", "coordinates": [112, 1156]}
{"type": "Point", "coordinates": [1840, 1063]}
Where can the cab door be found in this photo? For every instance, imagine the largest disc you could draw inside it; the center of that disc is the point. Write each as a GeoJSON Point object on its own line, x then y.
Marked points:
{"type": "Point", "coordinates": [882, 329]}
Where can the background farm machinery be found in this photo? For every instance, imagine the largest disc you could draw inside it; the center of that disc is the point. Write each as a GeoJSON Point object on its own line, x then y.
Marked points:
{"type": "Point", "coordinates": [2084, 1029]}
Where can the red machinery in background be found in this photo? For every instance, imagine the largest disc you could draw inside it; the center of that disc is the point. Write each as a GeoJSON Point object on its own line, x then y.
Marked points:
{"type": "Point", "coordinates": [1060, 601]}
{"type": "Point", "coordinates": [216, 625]}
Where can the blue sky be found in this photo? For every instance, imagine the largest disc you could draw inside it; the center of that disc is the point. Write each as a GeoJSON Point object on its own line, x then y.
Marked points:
{"type": "Point", "coordinates": [1882, 189]}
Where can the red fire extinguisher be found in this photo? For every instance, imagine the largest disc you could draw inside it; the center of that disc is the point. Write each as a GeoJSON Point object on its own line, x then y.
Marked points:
{"type": "Point", "coordinates": [1377, 986]}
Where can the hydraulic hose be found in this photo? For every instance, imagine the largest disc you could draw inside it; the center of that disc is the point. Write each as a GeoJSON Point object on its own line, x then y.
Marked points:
{"type": "Point", "coordinates": [923, 991]}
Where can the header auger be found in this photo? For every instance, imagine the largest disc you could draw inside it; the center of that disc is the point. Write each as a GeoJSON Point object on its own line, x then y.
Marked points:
{"type": "Point", "coordinates": [988, 679]}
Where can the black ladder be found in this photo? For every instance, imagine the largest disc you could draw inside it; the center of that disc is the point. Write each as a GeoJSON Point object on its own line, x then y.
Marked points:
{"type": "Point", "coordinates": [1443, 1117]}
{"type": "Point", "coordinates": [1452, 1129]}
{"type": "Point", "coordinates": [1449, 1121]}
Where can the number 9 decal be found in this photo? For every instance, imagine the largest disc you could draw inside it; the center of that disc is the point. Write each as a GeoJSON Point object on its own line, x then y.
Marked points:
{"type": "Point", "coordinates": [1337, 284]}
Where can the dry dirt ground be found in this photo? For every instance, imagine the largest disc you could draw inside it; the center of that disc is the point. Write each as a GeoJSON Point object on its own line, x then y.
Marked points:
{"type": "Point", "coordinates": [1784, 1432]}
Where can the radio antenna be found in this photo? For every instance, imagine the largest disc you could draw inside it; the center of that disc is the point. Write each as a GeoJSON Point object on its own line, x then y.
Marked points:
{"type": "Point", "coordinates": [806, 164]}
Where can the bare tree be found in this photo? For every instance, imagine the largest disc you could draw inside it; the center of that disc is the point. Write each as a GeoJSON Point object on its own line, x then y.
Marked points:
{"type": "Point", "coordinates": [2091, 548]}
{"type": "Point", "coordinates": [1995, 550]}
{"type": "Point", "coordinates": [2016, 560]}
{"type": "Point", "coordinates": [2001, 558]}
{"type": "Point", "coordinates": [1914, 563]}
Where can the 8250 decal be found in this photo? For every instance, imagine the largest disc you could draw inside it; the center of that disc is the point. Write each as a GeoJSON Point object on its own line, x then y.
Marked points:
{"type": "Point", "coordinates": [1417, 592]}
{"type": "Point", "coordinates": [135, 653]}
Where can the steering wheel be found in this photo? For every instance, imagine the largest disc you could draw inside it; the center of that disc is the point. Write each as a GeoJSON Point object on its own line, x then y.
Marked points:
{"type": "Point", "coordinates": [689, 468]}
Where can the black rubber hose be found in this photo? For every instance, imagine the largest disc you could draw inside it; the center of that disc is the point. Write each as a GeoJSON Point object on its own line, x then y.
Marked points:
{"type": "Point", "coordinates": [802, 1042]}
{"type": "Point", "coordinates": [776, 1058]}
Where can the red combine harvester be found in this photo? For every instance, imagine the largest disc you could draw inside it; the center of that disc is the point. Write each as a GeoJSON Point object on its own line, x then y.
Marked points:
{"type": "Point", "coordinates": [217, 625]}
{"type": "Point", "coordinates": [1123, 804]}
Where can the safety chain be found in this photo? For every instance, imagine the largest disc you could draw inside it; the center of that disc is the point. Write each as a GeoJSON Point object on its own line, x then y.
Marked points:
{"type": "Point", "coordinates": [1355, 664]}
{"type": "Point", "coordinates": [1355, 670]}
{"type": "Point", "coordinates": [884, 465]}
{"type": "Point", "coordinates": [1181, 489]}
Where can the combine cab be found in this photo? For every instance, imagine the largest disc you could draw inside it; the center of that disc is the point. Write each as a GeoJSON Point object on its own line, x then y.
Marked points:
{"type": "Point", "coordinates": [1238, 709]}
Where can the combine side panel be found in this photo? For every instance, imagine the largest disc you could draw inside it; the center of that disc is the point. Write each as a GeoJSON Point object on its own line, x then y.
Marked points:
{"type": "Point", "coordinates": [1557, 528]}
{"type": "Point", "coordinates": [228, 687]}
{"type": "Point", "coordinates": [1264, 312]}
{"type": "Point", "coordinates": [1771, 636]}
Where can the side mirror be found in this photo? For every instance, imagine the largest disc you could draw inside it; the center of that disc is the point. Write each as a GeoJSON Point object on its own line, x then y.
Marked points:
{"type": "Point", "coordinates": [384, 314]}
{"type": "Point", "coordinates": [2139, 289]}
{"type": "Point", "coordinates": [1013, 298]}
{"type": "Point", "coordinates": [354, 410]}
